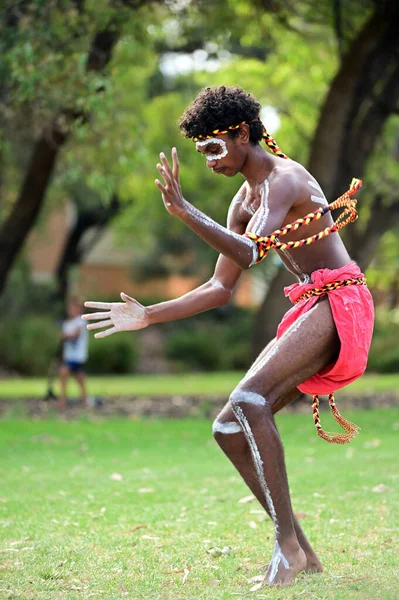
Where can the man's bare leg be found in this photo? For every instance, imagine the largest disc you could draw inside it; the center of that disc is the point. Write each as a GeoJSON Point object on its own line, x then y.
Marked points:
{"type": "Point", "coordinates": [278, 372]}
{"type": "Point", "coordinates": [237, 451]}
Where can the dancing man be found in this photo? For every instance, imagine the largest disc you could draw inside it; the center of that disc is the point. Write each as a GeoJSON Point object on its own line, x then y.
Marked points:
{"type": "Point", "coordinates": [321, 344]}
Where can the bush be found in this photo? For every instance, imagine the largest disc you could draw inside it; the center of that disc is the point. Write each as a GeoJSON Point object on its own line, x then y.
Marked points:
{"type": "Point", "coordinates": [216, 341]}
{"type": "Point", "coordinates": [384, 351]}
{"type": "Point", "coordinates": [113, 354]}
{"type": "Point", "coordinates": [28, 346]}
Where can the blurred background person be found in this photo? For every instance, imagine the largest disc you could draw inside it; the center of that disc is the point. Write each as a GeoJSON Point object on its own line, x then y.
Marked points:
{"type": "Point", "coordinates": [75, 351]}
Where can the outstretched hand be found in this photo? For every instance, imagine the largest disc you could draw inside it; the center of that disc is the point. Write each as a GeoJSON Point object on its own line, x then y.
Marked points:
{"type": "Point", "coordinates": [170, 188]}
{"type": "Point", "coordinates": [129, 315]}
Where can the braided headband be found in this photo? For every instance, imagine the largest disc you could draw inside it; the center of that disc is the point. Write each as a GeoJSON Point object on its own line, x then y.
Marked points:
{"type": "Point", "coordinates": [267, 138]}
{"type": "Point", "coordinates": [348, 215]}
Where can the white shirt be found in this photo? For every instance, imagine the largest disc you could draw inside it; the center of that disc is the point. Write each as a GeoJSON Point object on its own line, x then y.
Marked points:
{"type": "Point", "coordinates": [75, 350]}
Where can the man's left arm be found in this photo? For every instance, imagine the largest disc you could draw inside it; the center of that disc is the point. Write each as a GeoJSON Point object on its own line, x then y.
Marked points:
{"type": "Point", "coordinates": [240, 249]}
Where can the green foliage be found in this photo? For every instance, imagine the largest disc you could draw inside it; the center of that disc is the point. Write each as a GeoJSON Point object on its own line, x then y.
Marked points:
{"type": "Point", "coordinates": [384, 352]}
{"type": "Point", "coordinates": [113, 354]}
{"type": "Point", "coordinates": [28, 346]}
{"type": "Point", "coordinates": [216, 342]}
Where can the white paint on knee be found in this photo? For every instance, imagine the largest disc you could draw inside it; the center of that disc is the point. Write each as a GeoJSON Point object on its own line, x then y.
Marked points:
{"type": "Point", "coordinates": [278, 557]}
{"type": "Point", "coordinates": [242, 397]}
{"type": "Point", "coordinates": [226, 427]}
{"type": "Point", "coordinates": [257, 460]}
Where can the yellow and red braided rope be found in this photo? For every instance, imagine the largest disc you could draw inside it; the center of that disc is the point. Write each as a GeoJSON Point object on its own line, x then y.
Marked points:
{"type": "Point", "coordinates": [339, 438]}
{"type": "Point", "coordinates": [269, 141]}
{"type": "Point", "coordinates": [272, 241]}
{"type": "Point", "coordinates": [330, 287]}
{"type": "Point", "coordinates": [349, 214]}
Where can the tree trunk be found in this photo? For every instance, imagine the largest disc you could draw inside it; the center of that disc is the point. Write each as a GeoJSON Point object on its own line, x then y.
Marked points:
{"type": "Point", "coordinates": [74, 250]}
{"type": "Point", "coordinates": [27, 207]}
{"type": "Point", "coordinates": [363, 94]}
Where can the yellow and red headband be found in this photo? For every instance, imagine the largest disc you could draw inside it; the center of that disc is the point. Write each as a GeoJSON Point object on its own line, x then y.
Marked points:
{"type": "Point", "coordinates": [269, 141]}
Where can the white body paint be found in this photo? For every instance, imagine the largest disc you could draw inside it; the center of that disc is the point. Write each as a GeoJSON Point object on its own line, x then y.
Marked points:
{"type": "Point", "coordinates": [278, 557]}
{"type": "Point", "coordinates": [321, 199]}
{"type": "Point", "coordinates": [260, 218]}
{"type": "Point", "coordinates": [261, 362]}
{"type": "Point", "coordinates": [304, 277]}
{"type": "Point", "coordinates": [252, 398]}
{"type": "Point", "coordinates": [238, 199]}
{"type": "Point", "coordinates": [257, 460]}
{"type": "Point", "coordinates": [223, 146]}
{"type": "Point", "coordinates": [226, 427]}
{"type": "Point", "coordinates": [201, 218]}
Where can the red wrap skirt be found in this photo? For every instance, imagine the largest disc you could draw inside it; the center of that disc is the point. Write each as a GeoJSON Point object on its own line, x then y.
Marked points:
{"type": "Point", "coordinates": [353, 311]}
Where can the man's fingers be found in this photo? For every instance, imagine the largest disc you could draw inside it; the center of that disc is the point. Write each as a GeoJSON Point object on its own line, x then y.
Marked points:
{"type": "Point", "coordinates": [99, 324]}
{"type": "Point", "coordinates": [125, 297]}
{"type": "Point", "coordinates": [165, 174]}
{"type": "Point", "coordinates": [175, 160]}
{"type": "Point", "coordinates": [94, 316]}
{"type": "Point", "coordinates": [106, 332]}
{"type": "Point", "coordinates": [160, 187]}
{"type": "Point", "coordinates": [107, 305]}
{"type": "Point", "coordinates": [165, 163]}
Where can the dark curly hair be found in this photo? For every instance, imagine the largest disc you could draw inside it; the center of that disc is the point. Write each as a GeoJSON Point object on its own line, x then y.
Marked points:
{"type": "Point", "coordinates": [220, 107]}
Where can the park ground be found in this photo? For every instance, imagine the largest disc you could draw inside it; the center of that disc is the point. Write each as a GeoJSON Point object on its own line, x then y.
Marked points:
{"type": "Point", "coordinates": [129, 508]}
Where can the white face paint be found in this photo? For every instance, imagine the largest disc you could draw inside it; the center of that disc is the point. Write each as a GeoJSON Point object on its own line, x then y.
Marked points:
{"type": "Point", "coordinates": [213, 142]}
{"type": "Point", "coordinates": [320, 199]}
{"type": "Point", "coordinates": [226, 427]}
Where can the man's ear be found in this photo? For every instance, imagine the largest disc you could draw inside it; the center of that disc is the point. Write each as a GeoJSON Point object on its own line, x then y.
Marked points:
{"type": "Point", "coordinates": [243, 134]}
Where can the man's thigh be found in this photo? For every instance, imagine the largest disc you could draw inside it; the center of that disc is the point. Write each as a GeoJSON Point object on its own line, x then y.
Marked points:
{"type": "Point", "coordinates": [310, 344]}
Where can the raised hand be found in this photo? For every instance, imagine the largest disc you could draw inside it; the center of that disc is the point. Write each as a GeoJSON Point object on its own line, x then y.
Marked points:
{"type": "Point", "coordinates": [129, 315]}
{"type": "Point", "coordinates": [171, 191]}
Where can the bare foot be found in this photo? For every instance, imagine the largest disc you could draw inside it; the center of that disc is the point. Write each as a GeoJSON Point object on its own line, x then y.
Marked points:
{"type": "Point", "coordinates": [285, 566]}
{"type": "Point", "coordinates": [313, 565]}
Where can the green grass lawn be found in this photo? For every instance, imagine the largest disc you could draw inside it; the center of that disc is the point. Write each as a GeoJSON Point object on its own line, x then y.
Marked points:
{"type": "Point", "coordinates": [166, 385]}
{"type": "Point", "coordinates": [113, 509]}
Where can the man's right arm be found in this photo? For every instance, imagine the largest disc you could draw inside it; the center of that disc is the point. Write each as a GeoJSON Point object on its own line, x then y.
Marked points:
{"type": "Point", "coordinates": [215, 292]}
{"type": "Point", "coordinates": [130, 315]}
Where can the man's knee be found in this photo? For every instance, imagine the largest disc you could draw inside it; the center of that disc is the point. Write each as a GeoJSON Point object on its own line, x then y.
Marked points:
{"type": "Point", "coordinates": [225, 426]}
{"type": "Point", "coordinates": [246, 401]}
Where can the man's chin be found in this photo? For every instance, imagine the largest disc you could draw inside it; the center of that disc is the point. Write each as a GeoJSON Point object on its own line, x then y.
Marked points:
{"type": "Point", "coordinates": [226, 172]}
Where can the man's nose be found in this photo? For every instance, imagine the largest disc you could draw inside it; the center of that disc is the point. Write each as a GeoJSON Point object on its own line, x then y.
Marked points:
{"type": "Point", "coordinates": [211, 163]}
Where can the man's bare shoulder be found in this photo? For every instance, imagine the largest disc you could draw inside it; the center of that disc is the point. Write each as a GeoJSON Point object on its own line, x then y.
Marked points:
{"type": "Point", "coordinates": [292, 178]}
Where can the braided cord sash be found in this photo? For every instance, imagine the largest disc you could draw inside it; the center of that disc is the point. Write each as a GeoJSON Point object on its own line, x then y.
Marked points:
{"type": "Point", "coordinates": [339, 438]}
{"type": "Point", "coordinates": [348, 215]}
{"type": "Point", "coordinates": [330, 287]}
{"type": "Point", "coordinates": [272, 241]}
{"type": "Point", "coordinates": [350, 428]}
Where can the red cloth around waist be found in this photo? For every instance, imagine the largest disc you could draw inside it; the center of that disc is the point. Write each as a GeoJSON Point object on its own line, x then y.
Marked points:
{"type": "Point", "coordinates": [353, 312]}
